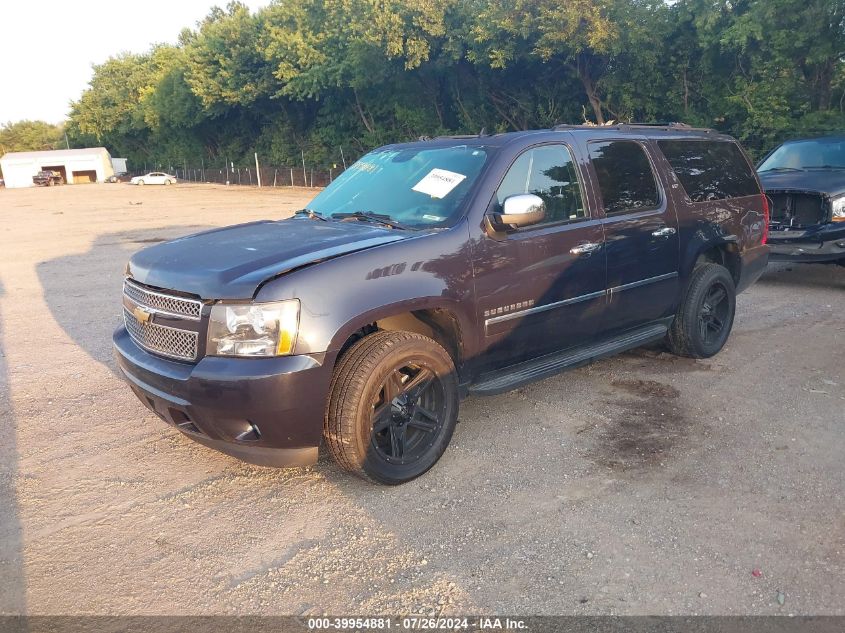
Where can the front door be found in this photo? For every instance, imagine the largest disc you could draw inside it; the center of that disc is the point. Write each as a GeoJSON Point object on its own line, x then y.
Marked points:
{"type": "Point", "coordinates": [541, 288]}
{"type": "Point", "coordinates": [641, 235]}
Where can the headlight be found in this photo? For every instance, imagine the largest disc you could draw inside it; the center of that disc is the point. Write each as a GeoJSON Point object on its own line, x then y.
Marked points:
{"type": "Point", "coordinates": [256, 329]}
{"type": "Point", "coordinates": [839, 209]}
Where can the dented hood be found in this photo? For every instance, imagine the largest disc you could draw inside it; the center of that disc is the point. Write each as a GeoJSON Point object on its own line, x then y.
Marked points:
{"type": "Point", "coordinates": [230, 263]}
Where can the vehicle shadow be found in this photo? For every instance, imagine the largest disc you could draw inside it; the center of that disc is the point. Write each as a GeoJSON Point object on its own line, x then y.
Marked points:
{"type": "Point", "coordinates": [12, 586]}
{"type": "Point", "coordinates": [822, 276]}
{"type": "Point", "coordinates": [82, 290]}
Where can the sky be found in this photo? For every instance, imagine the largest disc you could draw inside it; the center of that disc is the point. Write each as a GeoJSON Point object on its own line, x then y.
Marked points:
{"type": "Point", "coordinates": [47, 47]}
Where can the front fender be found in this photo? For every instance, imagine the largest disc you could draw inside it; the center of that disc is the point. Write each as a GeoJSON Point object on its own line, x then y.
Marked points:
{"type": "Point", "coordinates": [339, 296]}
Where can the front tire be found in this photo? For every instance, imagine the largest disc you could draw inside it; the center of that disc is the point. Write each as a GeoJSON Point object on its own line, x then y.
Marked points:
{"type": "Point", "coordinates": [393, 406]}
{"type": "Point", "coordinates": [141, 182]}
{"type": "Point", "coordinates": [705, 317]}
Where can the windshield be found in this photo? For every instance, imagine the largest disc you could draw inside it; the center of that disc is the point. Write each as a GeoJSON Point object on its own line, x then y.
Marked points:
{"type": "Point", "coordinates": [418, 188]}
{"type": "Point", "coordinates": [818, 154]}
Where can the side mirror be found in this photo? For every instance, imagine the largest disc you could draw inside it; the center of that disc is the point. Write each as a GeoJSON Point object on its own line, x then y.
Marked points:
{"type": "Point", "coordinates": [518, 211]}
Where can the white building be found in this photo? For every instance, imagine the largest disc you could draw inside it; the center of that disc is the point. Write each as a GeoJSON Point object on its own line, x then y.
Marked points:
{"type": "Point", "coordinates": [118, 165]}
{"type": "Point", "coordinates": [77, 166]}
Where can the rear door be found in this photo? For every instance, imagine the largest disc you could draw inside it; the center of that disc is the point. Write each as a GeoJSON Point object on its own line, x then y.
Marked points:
{"type": "Point", "coordinates": [641, 233]}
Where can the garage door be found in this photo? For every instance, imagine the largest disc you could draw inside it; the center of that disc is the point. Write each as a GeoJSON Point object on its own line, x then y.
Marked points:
{"type": "Point", "coordinates": [80, 177]}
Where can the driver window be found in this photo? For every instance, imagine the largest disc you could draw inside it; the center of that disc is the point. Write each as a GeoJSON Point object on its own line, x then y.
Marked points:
{"type": "Point", "coordinates": [549, 172]}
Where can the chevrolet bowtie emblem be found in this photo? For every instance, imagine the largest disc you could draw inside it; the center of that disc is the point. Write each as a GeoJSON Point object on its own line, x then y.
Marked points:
{"type": "Point", "coordinates": [142, 315]}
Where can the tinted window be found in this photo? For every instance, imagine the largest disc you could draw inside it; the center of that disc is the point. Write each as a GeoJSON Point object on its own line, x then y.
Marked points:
{"type": "Point", "coordinates": [548, 172]}
{"type": "Point", "coordinates": [710, 170]}
{"type": "Point", "coordinates": [625, 176]}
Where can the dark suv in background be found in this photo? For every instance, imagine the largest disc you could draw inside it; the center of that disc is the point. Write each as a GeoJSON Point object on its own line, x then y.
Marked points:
{"type": "Point", "coordinates": [805, 182]}
{"type": "Point", "coordinates": [48, 178]}
{"type": "Point", "coordinates": [433, 270]}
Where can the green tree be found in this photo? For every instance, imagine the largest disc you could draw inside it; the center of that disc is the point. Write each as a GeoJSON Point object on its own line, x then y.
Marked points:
{"type": "Point", "coordinates": [307, 77]}
{"type": "Point", "coordinates": [586, 37]}
{"type": "Point", "coordinates": [25, 136]}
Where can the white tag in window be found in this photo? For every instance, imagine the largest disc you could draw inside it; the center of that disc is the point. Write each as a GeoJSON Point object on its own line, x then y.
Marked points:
{"type": "Point", "coordinates": [438, 183]}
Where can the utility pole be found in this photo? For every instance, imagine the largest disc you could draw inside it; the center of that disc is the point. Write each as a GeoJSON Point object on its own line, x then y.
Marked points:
{"type": "Point", "coordinates": [304, 173]}
{"type": "Point", "coordinates": [257, 171]}
{"type": "Point", "coordinates": [342, 158]}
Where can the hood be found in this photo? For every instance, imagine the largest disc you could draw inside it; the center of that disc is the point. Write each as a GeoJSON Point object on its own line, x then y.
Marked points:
{"type": "Point", "coordinates": [230, 263]}
{"type": "Point", "coordinates": [827, 181]}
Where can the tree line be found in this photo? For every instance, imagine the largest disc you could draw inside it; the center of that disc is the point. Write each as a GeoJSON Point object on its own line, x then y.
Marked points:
{"type": "Point", "coordinates": [304, 78]}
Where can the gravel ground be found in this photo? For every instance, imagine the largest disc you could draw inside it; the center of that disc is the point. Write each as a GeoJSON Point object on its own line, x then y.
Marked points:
{"type": "Point", "coordinates": [642, 484]}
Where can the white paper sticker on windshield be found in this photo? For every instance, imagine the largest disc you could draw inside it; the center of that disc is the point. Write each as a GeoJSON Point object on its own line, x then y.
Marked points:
{"type": "Point", "coordinates": [438, 183]}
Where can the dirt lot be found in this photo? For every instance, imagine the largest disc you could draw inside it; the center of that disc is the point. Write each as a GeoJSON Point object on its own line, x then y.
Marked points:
{"type": "Point", "coordinates": [644, 484]}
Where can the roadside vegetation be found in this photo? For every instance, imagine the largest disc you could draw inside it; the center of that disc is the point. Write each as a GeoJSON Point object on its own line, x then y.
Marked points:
{"type": "Point", "coordinates": [26, 136]}
{"type": "Point", "coordinates": [300, 79]}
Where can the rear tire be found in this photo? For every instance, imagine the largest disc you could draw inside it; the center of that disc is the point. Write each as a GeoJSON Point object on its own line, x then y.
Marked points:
{"type": "Point", "coordinates": [393, 406]}
{"type": "Point", "coordinates": [168, 182]}
{"type": "Point", "coordinates": [706, 314]}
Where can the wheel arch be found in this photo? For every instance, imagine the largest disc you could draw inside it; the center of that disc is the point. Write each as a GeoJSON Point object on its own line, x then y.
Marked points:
{"type": "Point", "coordinates": [722, 250]}
{"type": "Point", "coordinates": [432, 318]}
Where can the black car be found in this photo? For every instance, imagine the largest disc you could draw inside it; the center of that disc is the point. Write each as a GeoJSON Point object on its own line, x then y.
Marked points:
{"type": "Point", "coordinates": [433, 270]}
{"type": "Point", "coordinates": [119, 177]}
{"type": "Point", "coordinates": [805, 183]}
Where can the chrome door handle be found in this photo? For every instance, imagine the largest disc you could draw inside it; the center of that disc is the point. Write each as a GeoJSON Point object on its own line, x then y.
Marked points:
{"type": "Point", "coordinates": [585, 249]}
{"type": "Point", "coordinates": [666, 231]}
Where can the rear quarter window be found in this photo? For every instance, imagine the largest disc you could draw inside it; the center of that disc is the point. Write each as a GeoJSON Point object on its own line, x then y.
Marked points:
{"type": "Point", "coordinates": [710, 170]}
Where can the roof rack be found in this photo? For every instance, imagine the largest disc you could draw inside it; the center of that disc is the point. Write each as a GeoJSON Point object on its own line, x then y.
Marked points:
{"type": "Point", "coordinates": [457, 137]}
{"type": "Point", "coordinates": [669, 125]}
{"type": "Point", "coordinates": [481, 134]}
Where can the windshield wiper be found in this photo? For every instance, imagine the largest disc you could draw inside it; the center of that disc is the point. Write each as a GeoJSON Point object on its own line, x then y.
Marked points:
{"type": "Point", "coordinates": [780, 169]}
{"type": "Point", "coordinates": [825, 167]}
{"type": "Point", "coordinates": [366, 216]}
{"type": "Point", "coordinates": [311, 214]}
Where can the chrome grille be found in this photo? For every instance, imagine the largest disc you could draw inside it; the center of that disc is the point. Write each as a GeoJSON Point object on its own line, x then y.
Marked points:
{"type": "Point", "coordinates": [161, 339]}
{"type": "Point", "coordinates": [165, 304]}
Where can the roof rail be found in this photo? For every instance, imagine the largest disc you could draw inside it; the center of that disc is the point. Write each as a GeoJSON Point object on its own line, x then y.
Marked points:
{"type": "Point", "coordinates": [670, 125]}
{"type": "Point", "coordinates": [658, 124]}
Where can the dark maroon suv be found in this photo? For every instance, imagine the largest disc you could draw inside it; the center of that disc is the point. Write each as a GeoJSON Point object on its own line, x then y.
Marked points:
{"type": "Point", "coordinates": [433, 270]}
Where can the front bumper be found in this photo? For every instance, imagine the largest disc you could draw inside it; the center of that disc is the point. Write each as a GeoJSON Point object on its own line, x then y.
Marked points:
{"type": "Point", "coordinates": [220, 402]}
{"type": "Point", "coordinates": [822, 244]}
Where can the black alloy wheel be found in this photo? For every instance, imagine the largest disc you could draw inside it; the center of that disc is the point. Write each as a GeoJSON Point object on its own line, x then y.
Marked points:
{"type": "Point", "coordinates": [393, 405]}
{"type": "Point", "coordinates": [713, 317]}
{"type": "Point", "coordinates": [408, 414]}
{"type": "Point", "coordinates": [705, 317]}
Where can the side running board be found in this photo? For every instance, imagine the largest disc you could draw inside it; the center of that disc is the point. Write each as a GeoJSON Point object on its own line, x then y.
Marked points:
{"type": "Point", "coordinates": [551, 364]}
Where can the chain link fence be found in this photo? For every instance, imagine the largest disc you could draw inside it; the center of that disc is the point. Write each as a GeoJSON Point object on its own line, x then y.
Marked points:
{"type": "Point", "coordinates": [248, 176]}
